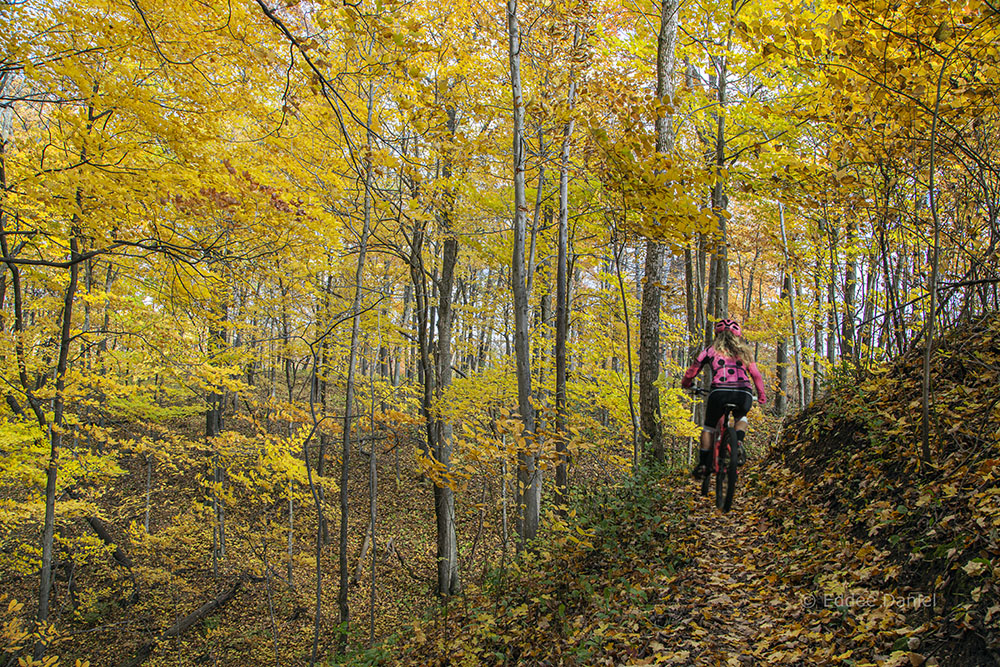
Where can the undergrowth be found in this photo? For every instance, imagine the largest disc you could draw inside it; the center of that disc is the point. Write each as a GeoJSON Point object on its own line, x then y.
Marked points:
{"type": "Point", "coordinates": [577, 596]}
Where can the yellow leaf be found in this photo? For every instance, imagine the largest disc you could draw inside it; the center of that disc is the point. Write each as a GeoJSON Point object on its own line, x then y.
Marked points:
{"type": "Point", "coordinates": [837, 20]}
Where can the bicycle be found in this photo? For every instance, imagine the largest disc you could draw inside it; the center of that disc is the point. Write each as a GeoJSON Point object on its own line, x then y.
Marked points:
{"type": "Point", "coordinates": [725, 450]}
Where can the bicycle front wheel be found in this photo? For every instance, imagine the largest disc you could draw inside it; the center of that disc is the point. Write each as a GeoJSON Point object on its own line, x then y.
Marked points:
{"type": "Point", "coordinates": [732, 466]}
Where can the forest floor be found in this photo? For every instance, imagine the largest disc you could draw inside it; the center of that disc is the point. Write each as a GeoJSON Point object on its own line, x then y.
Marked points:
{"type": "Point", "coordinates": [754, 593]}
{"type": "Point", "coordinates": [844, 547]}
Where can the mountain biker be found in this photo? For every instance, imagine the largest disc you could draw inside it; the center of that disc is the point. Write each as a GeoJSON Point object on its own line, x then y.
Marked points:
{"type": "Point", "coordinates": [733, 369]}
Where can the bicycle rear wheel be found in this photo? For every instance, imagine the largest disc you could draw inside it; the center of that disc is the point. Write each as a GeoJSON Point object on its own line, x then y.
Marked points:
{"type": "Point", "coordinates": [721, 476]}
{"type": "Point", "coordinates": [732, 466]}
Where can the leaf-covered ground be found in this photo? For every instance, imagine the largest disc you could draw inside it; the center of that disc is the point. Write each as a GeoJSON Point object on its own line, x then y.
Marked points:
{"type": "Point", "coordinates": [844, 547]}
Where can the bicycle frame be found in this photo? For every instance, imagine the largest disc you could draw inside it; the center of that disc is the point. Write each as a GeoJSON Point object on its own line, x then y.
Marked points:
{"type": "Point", "coordinates": [720, 432]}
{"type": "Point", "coordinates": [724, 448]}
{"type": "Point", "coordinates": [720, 428]}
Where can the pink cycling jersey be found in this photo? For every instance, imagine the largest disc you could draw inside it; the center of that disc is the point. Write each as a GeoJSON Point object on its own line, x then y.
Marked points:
{"type": "Point", "coordinates": [727, 373]}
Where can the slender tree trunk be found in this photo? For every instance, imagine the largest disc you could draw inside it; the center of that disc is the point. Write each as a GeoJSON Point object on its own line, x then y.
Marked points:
{"type": "Point", "coordinates": [322, 394]}
{"type": "Point", "coordinates": [711, 314]}
{"type": "Point", "coordinates": [850, 291]}
{"type": "Point", "coordinates": [628, 351]}
{"type": "Point", "coordinates": [817, 332]}
{"type": "Point", "coordinates": [690, 299]}
{"type": "Point", "coordinates": [149, 491]}
{"type": "Point", "coordinates": [213, 427]}
{"type": "Point", "coordinates": [925, 419]}
{"type": "Point", "coordinates": [529, 475]}
{"type": "Point", "coordinates": [694, 280]}
{"type": "Point", "coordinates": [543, 319]}
{"type": "Point", "coordinates": [800, 348]}
{"type": "Point", "coordinates": [289, 566]}
{"type": "Point", "coordinates": [649, 321]}
{"type": "Point", "coordinates": [831, 299]}
{"type": "Point", "coordinates": [791, 306]}
{"type": "Point", "coordinates": [488, 325]}
{"type": "Point", "coordinates": [55, 442]}
{"type": "Point", "coordinates": [781, 355]}
{"type": "Point", "coordinates": [702, 286]}
{"type": "Point", "coordinates": [444, 496]}
{"type": "Point", "coordinates": [405, 321]}
{"type": "Point", "coordinates": [539, 195]}
{"type": "Point", "coordinates": [562, 291]}
{"type": "Point", "coordinates": [719, 295]}
{"type": "Point", "coordinates": [342, 596]}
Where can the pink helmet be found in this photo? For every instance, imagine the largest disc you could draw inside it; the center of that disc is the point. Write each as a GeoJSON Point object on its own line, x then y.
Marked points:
{"type": "Point", "coordinates": [728, 325]}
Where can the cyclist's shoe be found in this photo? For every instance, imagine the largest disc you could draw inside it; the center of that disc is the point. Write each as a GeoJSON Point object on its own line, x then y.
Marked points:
{"type": "Point", "coordinates": [699, 471]}
{"type": "Point", "coordinates": [741, 454]}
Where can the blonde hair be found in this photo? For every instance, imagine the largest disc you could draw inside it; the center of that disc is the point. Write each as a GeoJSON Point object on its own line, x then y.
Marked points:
{"type": "Point", "coordinates": [729, 345]}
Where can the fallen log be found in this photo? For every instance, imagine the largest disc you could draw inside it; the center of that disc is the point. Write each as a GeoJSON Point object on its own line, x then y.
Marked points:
{"type": "Point", "coordinates": [183, 625]}
{"type": "Point", "coordinates": [122, 558]}
{"type": "Point", "coordinates": [390, 551]}
{"type": "Point", "coordinates": [365, 548]}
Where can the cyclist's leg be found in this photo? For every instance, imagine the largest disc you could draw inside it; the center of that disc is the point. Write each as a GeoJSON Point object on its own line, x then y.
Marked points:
{"type": "Point", "coordinates": [745, 402]}
{"type": "Point", "coordinates": [704, 454]}
{"type": "Point", "coordinates": [713, 410]}
{"type": "Point", "coordinates": [706, 438]}
{"type": "Point", "coordinates": [741, 434]}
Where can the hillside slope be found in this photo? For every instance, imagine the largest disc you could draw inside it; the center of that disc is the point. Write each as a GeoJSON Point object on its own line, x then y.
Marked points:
{"type": "Point", "coordinates": [904, 551]}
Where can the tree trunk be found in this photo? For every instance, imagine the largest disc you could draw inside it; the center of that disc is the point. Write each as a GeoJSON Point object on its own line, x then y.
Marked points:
{"type": "Point", "coordinates": [528, 474]}
{"type": "Point", "coordinates": [55, 443]}
{"type": "Point", "coordinates": [562, 291]}
{"type": "Point", "coordinates": [791, 306]}
{"type": "Point", "coordinates": [817, 333]}
{"type": "Point", "coordinates": [719, 284]}
{"type": "Point", "coordinates": [322, 390]}
{"type": "Point", "coordinates": [213, 427]}
{"type": "Point", "coordinates": [342, 595]}
{"type": "Point", "coordinates": [690, 299]}
{"type": "Point", "coordinates": [850, 291]}
{"type": "Point", "coordinates": [444, 496]}
{"type": "Point", "coordinates": [781, 356]}
{"type": "Point", "coordinates": [628, 349]}
{"type": "Point", "coordinates": [649, 320]}
{"type": "Point", "coordinates": [925, 419]}
{"type": "Point", "coordinates": [831, 299]}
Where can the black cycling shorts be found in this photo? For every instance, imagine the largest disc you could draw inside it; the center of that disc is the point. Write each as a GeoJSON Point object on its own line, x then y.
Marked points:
{"type": "Point", "coordinates": [716, 405]}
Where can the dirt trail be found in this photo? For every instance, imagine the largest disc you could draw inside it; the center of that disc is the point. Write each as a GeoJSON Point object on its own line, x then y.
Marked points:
{"type": "Point", "coordinates": [727, 606]}
{"type": "Point", "coordinates": [752, 594]}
